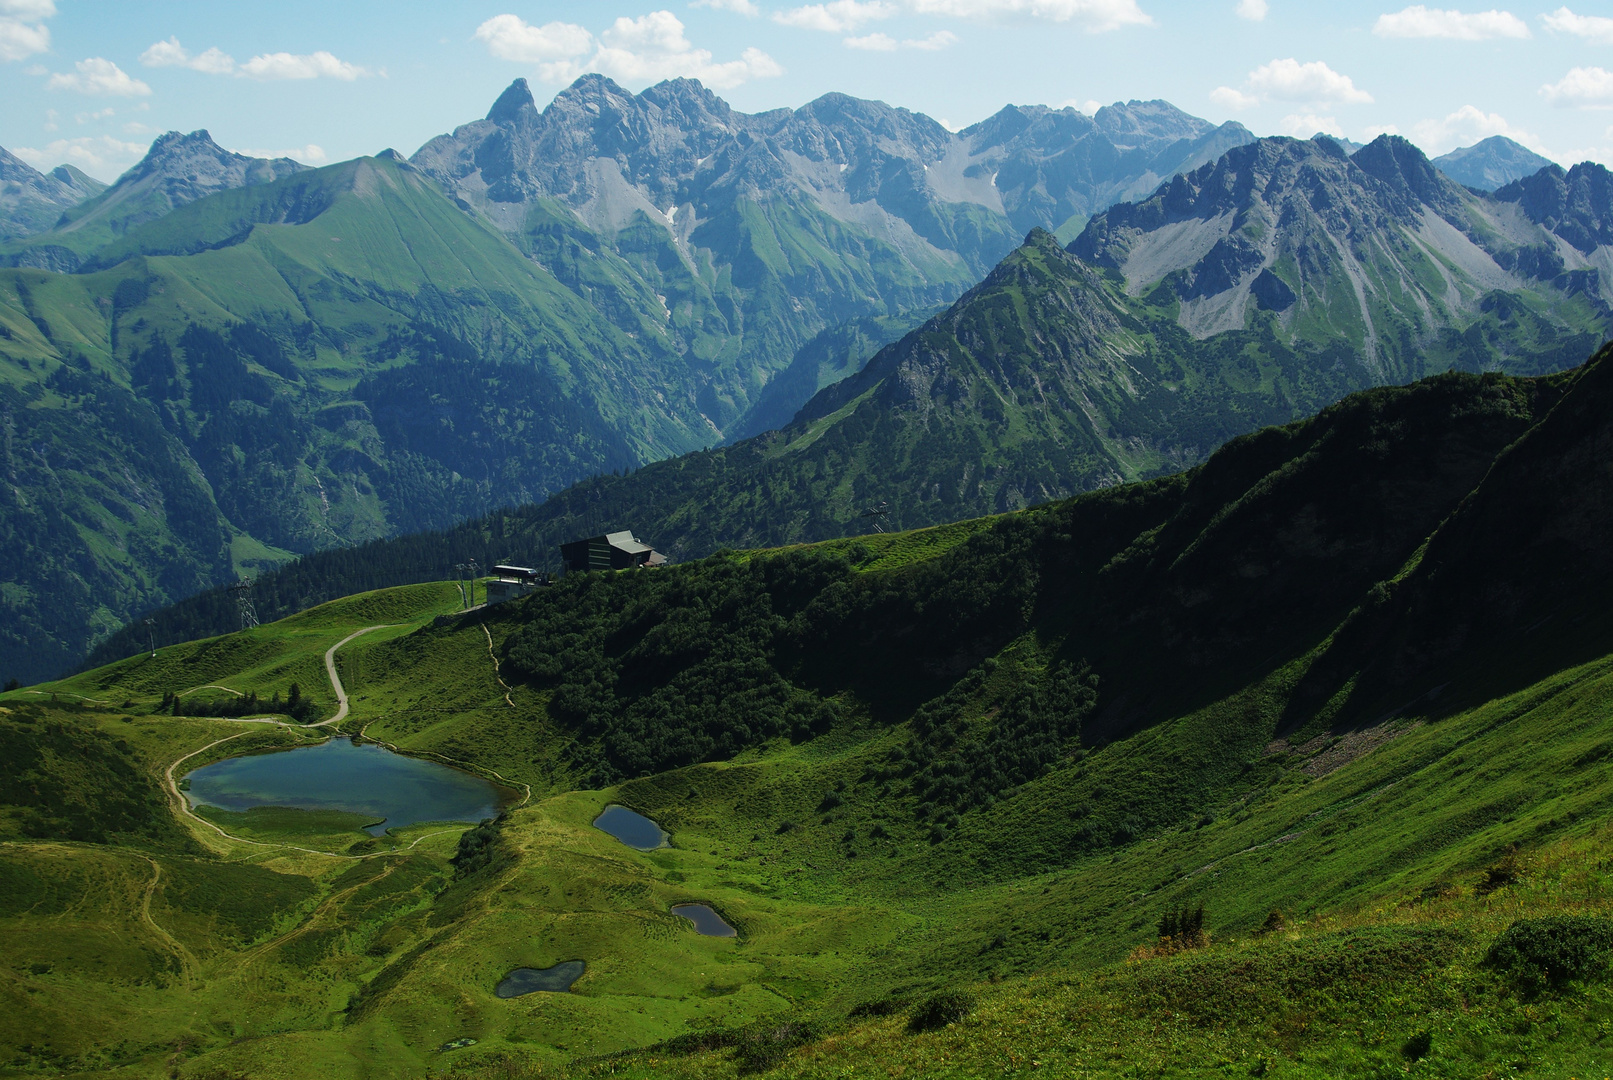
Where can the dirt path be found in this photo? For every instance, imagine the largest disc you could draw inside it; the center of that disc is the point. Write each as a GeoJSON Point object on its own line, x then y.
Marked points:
{"type": "Point", "coordinates": [187, 963]}
{"type": "Point", "coordinates": [326, 906]}
{"type": "Point", "coordinates": [496, 675]}
{"type": "Point", "coordinates": [336, 680]}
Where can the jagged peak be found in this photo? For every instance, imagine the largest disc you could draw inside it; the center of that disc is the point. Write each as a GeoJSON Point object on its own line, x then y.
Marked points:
{"type": "Point", "coordinates": [1397, 161]}
{"type": "Point", "coordinates": [169, 141]}
{"type": "Point", "coordinates": [592, 86]}
{"type": "Point", "coordinates": [1040, 237]}
{"type": "Point", "coordinates": [516, 96]}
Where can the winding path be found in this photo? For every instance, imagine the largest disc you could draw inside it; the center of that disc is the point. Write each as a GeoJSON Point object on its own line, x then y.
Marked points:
{"type": "Point", "coordinates": [336, 680]}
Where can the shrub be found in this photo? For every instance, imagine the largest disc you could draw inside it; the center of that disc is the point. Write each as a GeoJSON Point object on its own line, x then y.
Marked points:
{"type": "Point", "coordinates": [939, 1010]}
{"type": "Point", "coordinates": [761, 1048]}
{"type": "Point", "coordinates": [878, 1007]}
{"type": "Point", "coordinates": [1505, 872]}
{"type": "Point", "coordinates": [1552, 950]}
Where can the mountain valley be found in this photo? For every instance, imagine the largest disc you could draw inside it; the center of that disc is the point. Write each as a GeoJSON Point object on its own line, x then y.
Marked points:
{"type": "Point", "coordinates": [987, 772]}
{"type": "Point", "coordinates": [679, 561]}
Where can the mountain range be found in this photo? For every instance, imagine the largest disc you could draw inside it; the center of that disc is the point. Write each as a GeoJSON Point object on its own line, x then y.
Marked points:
{"type": "Point", "coordinates": [284, 360]}
{"type": "Point", "coordinates": [1255, 290]}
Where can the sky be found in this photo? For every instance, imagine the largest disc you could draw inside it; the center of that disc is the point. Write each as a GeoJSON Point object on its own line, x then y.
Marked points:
{"type": "Point", "coordinates": [91, 82]}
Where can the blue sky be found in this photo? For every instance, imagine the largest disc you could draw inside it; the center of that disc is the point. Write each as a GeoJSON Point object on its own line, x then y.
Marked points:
{"type": "Point", "coordinates": [93, 82]}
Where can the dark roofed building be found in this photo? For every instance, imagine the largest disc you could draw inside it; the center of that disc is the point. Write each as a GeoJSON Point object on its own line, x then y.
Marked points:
{"type": "Point", "coordinates": [513, 581]}
{"type": "Point", "coordinates": [612, 551]}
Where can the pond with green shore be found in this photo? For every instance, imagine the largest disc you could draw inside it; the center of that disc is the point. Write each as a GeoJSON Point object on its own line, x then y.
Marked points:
{"type": "Point", "coordinates": [388, 789]}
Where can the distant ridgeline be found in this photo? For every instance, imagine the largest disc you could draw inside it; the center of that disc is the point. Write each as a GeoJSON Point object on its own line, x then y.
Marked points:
{"type": "Point", "coordinates": [253, 361]}
{"type": "Point", "coordinates": [1253, 291]}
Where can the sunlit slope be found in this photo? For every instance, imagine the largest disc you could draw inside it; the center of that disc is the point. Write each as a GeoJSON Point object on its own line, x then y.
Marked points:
{"type": "Point", "coordinates": [264, 660]}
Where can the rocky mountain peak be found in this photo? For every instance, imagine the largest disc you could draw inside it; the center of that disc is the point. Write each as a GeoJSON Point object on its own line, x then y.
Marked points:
{"type": "Point", "coordinates": [1576, 205]}
{"type": "Point", "coordinates": [1406, 170]}
{"type": "Point", "coordinates": [32, 201]}
{"type": "Point", "coordinates": [1154, 119]}
{"type": "Point", "coordinates": [197, 161]}
{"type": "Point", "coordinates": [1490, 163]}
{"type": "Point", "coordinates": [513, 103]}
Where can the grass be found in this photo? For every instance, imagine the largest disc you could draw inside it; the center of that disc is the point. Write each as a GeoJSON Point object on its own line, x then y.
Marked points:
{"type": "Point", "coordinates": [214, 957]}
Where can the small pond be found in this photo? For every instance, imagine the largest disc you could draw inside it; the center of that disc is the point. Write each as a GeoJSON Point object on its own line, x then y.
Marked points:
{"type": "Point", "coordinates": [706, 921]}
{"type": "Point", "coordinates": [634, 830]}
{"type": "Point", "coordinates": [553, 980]}
{"type": "Point", "coordinates": [337, 775]}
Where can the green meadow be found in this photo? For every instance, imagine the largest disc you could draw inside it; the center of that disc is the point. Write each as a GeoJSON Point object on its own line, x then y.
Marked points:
{"type": "Point", "coordinates": [1353, 887]}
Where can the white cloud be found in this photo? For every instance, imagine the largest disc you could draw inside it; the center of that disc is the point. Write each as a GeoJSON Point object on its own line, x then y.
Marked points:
{"type": "Point", "coordinates": [22, 28]}
{"type": "Point", "coordinates": [652, 47]}
{"type": "Point", "coordinates": [98, 155]}
{"type": "Point", "coordinates": [98, 75]}
{"type": "Point", "coordinates": [743, 7]}
{"type": "Point", "coordinates": [1304, 125]}
{"type": "Point", "coordinates": [1099, 15]}
{"type": "Point", "coordinates": [1289, 80]}
{"type": "Point", "coordinates": [885, 43]}
{"type": "Point", "coordinates": [1587, 87]}
{"type": "Point", "coordinates": [848, 16]}
{"type": "Point", "coordinates": [51, 116]}
{"type": "Point", "coordinates": [836, 17]}
{"type": "Point", "coordinates": [171, 53]}
{"type": "Point", "coordinates": [1466, 126]}
{"type": "Point", "coordinates": [643, 50]}
{"type": "Point", "coordinates": [1228, 98]}
{"type": "Point", "coordinates": [92, 117]}
{"type": "Point", "coordinates": [19, 40]}
{"type": "Point", "coordinates": [311, 154]}
{"type": "Point", "coordinates": [1253, 10]}
{"type": "Point", "coordinates": [1418, 21]}
{"type": "Point", "coordinates": [874, 43]}
{"type": "Point", "coordinates": [278, 65]}
{"type": "Point", "coordinates": [508, 37]}
{"type": "Point", "coordinates": [1597, 28]}
{"type": "Point", "coordinates": [283, 65]}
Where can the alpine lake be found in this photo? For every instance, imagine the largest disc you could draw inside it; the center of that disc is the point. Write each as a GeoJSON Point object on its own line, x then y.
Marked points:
{"type": "Point", "coordinates": [392, 790]}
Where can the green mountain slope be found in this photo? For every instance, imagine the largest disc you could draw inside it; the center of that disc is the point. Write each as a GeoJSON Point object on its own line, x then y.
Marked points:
{"type": "Point", "coordinates": [998, 759]}
{"type": "Point", "coordinates": [313, 362]}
